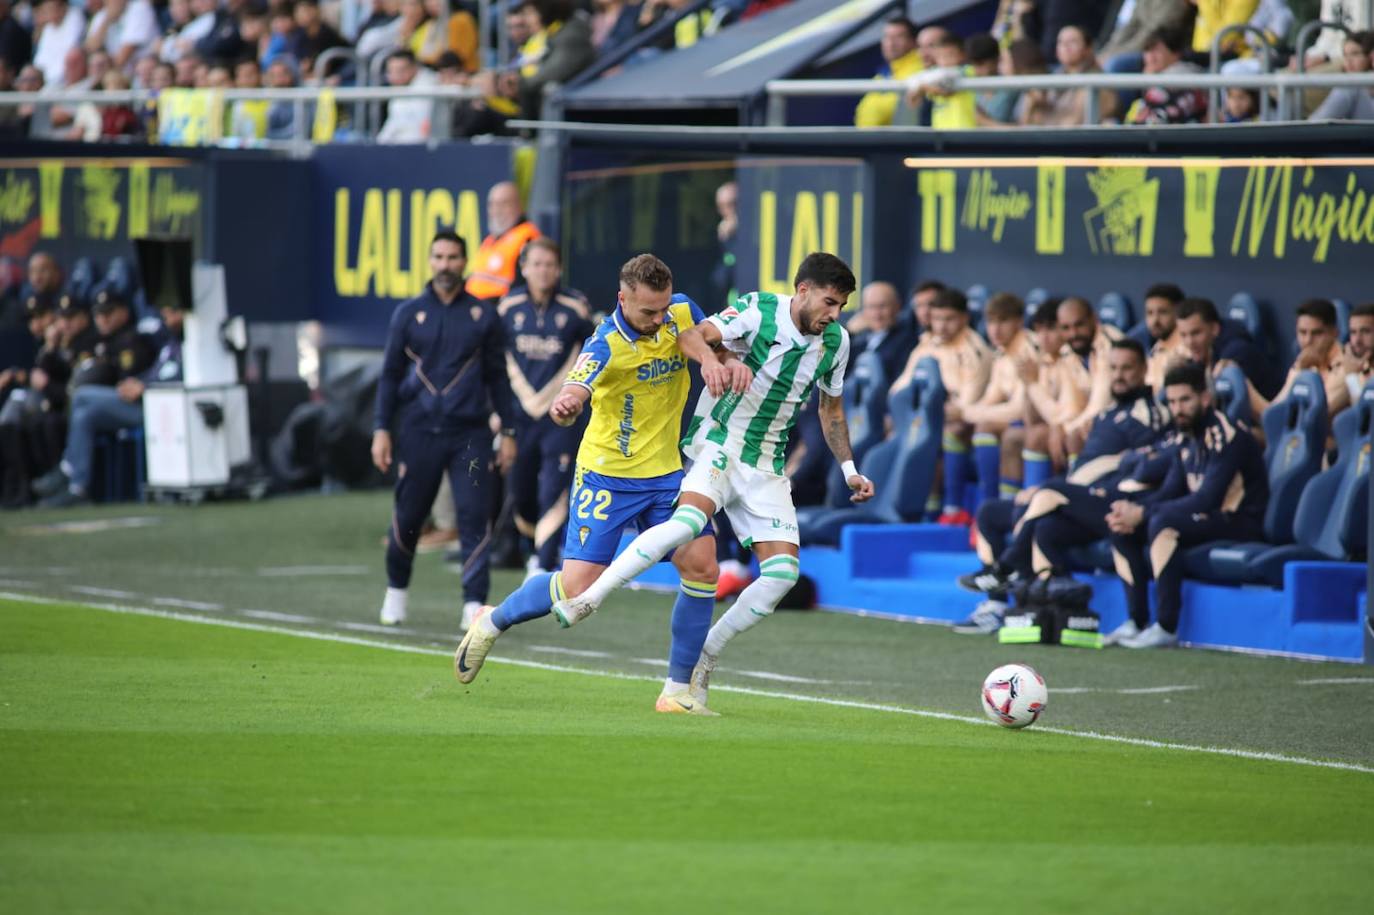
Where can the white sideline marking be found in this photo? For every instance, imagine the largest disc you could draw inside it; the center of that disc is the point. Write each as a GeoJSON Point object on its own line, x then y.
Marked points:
{"type": "Point", "coordinates": [186, 604]}
{"type": "Point", "coordinates": [90, 525]}
{"type": "Point", "coordinates": [16, 583]}
{"type": "Point", "coordinates": [1257, 755]}
{"type": "Point", "coordinates": [1138, 691]}
{"type": "Point", "coordinates": [102, 592]}
{"type": "Point", "coordinates": [575, 652]}
{"type": "Point", "coordinates": [367, 627]}
{"type": "Point", "coordinates": [769, 675]}
{"type": "Point", "coordinates": [300, 571]}
{"type": "Point", "coordinates": [280, 617]}
{"type": "Point", "coordinates": [1335, 681]}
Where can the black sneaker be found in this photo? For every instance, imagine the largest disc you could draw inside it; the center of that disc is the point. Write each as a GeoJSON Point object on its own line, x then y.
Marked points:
{"type": "Point", "coordinates": [67, 498]}
{"type": "Point", "coordinates": [51, 483]}
{"type": "Point", "coordinates": [990, 580]}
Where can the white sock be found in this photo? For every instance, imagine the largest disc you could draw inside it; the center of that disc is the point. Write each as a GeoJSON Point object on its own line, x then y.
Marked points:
{"type": "Point", "coordinates": [777, 576]}
{"type": "Point", "coordinates": [648, 548]}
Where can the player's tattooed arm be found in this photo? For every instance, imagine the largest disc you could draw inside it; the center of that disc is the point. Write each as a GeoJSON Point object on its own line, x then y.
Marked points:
{"type": "Point", "coordinates": [835, 428]}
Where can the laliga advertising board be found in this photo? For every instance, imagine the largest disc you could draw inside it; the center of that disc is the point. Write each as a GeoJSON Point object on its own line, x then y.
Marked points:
{"type": "Point", "coordinates": [379, 206]}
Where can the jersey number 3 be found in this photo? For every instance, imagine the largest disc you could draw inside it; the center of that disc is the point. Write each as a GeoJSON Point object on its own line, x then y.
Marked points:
{"type": "Point", "coordinates": [597, 509]}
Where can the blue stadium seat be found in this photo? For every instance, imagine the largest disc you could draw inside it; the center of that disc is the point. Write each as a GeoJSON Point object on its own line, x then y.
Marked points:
{"type": "Point", "coordinates": [1034, 299]}
{"type": "Point", "coordinates": [1296, 432]}
{"type": "Point", "coordinates": [1232, 396]}
{"type": "Point", "coordinates": [902, 468]}
{"type": "Point", "coordinates": [81, 281]}
{"type": "Point", "coordinates": [1244, 310]}
{"type": "Point", "coordinates": [1141, 334]}
{"type": "Point", "coordinates": [1115, 309]}
{"type": "Point", "coordinates": [1332, 515]}
{"type": "Point", "coordinates": [977, 295]}
{"type": "Point", "coordinates": [1342, 318]}
{"type": "Point", "coordinates": [865, 405]}
{"type": "Point", "coordinates": [121, 278]}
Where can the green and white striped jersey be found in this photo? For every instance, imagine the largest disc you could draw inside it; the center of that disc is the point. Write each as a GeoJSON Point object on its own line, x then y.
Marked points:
{"type": "Point", "coordinates": [787, 364]}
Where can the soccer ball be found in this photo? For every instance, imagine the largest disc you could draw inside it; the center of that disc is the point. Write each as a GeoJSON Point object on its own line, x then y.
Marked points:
{"type": "Point", "coordinates": [1014, 695]}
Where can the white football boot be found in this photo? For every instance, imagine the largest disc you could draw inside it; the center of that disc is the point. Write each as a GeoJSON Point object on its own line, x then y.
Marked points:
{"type": "Point", "coordinates": [394, 607]}
{"type": "Point", "coordinates": [572, 610]}
{"type": "Point", "coordinates": [472, 650]}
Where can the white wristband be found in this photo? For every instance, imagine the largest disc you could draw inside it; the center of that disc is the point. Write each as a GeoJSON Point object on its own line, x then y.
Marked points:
{"type": "Point", "coordinates": [849, 470]}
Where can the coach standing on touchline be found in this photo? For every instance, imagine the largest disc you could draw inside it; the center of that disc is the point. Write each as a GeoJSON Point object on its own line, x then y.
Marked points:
{"type": "Point", "coordinates": [443, 371]}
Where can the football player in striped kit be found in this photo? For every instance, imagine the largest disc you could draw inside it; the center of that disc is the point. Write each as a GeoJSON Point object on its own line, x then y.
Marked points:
{"type": "Point", "coordinates": [737, 444]}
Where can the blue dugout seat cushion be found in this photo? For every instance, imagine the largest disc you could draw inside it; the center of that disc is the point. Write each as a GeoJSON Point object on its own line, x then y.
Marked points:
{"type": "Point", "coordinates": [1331, 522]}
{"type": "Point", "coordinates": [902, 468]}
{"type": "Point", "coordinates": [865, 406]}
{"type": "Point", "coordinates": [1115, 309]}
{"type": "Point", "coordinates": [1232, 396]}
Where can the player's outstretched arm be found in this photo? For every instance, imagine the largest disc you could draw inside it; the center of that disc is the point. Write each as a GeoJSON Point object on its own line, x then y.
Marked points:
{"type": "Point", "coordinates": [836, 431]}
{"type": "Point", "coordinates": [698, 344]}
{"type": "Point", "coordinates": [567, 406]}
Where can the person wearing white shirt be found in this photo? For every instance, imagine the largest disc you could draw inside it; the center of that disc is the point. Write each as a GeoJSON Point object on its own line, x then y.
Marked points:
{"type": "Point", "coordinates": [60, 27]}
{"type": "Point", "coordinates": [1329, 44]}
{"type": "Point", "coordinates": [124, 28]}
{"type": "Point", "coordinates": [407, 120]}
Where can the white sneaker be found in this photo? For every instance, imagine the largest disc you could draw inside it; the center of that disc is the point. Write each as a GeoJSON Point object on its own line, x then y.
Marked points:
{"type": "Point", "coordinates": [1154, 637]}
{"type": "Point", "coordinates": [471, 610]}
{"type": "Point", "coordinates": [472, 651]}
{"type": "Point", "coordinates": [700, 683]}
{"type": "Point", "coordinates": [1127, 630]}
{"type": "Point", "coordinates": [533, 568]}
{"type": "Point", "coordinates": [986, 618]}
{"type": "Point", "coordinates": [572, 610]}
{"type": "Point", "coordinates": [393, 607]}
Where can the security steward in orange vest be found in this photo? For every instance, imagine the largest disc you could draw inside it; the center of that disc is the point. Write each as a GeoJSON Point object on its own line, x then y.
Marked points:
{"type": "Point", "coordinates": [493, 269]}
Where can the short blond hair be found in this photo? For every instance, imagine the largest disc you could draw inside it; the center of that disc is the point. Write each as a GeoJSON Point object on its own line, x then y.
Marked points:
{"type": "Point", "coordinates": [646, 270]}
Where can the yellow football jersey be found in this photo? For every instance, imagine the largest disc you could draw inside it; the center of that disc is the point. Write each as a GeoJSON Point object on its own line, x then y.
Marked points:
{"type": "Point", "coordinates": [639, 389]}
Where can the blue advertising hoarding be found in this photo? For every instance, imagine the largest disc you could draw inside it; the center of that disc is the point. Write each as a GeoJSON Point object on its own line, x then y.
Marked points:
{"type": "Point", "coordinates": [377, 207]}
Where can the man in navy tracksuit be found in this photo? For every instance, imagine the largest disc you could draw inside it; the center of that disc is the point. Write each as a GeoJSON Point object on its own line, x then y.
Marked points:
{"type": "Point", "coordinates": [1121, 450]}
{"type": "Point", "coordinates": [443, 371]}
{"type": "Point", "coordinates": [1216, 489]}
{"type": "Point", "coordinates": [544, 326]}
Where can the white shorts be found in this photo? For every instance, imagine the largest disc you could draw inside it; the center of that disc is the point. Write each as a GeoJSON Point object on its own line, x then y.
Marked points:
{"type": "Point", "coordinates": [758, 504]}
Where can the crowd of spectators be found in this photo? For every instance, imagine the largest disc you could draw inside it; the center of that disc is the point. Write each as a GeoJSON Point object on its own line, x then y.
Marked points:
{"type": "Point", "coordinates": [60, 47]}
{"type": "Point", "coordinates": [93, 360]}
{"type": "Point", "coordinates": [65, 46]}
{"type": "Point", "coordinates": [1032, 37]}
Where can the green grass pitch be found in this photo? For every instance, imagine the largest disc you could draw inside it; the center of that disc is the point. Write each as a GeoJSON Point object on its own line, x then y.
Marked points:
{"type": "Point", "coordinates": [295, 758]}
{"type": "Point", "coordinates": [155, 765]}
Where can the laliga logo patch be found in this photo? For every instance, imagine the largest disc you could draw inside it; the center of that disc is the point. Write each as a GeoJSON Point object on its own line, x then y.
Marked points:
{"type": "Point", "coordinates": [582, 533]}
{"type": "Point", "coordinates": [519, 320]}
{"type": "Point", "coordinates": [560, 321]}
{"type": "Point", "coordinates": [583, 368]}
{"type": "Point", "coordinates": [476, 312]}
{"type": "Point", "coordinates": [126, 359]}
{"type": "Point", "coordinates": [419, 317]}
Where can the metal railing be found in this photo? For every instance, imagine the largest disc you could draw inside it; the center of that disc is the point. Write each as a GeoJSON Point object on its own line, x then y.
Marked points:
{"type": "Point", "coordinates": [780, 90]}
{"type": "Point", "coordinates": [300, 99]}
{"type": "Point", "coordinates": [1214, 95]}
